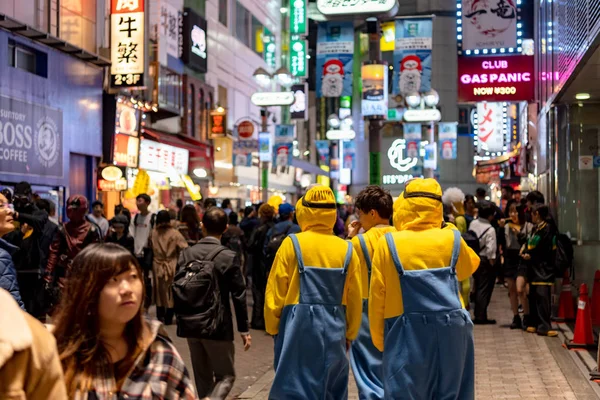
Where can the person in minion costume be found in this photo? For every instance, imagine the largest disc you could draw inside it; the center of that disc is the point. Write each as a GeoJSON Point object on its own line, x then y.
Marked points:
{"type": "Point", "coordinates": [416, 313]}
{"type": "Point", "coordinates": [374, 208]}
{"type": "Point", "coordinates": [313, 304]}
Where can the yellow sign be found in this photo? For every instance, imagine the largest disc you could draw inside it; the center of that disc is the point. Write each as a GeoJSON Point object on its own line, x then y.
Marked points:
{"type": "Point", "coordinates": [322, 179]}
{"type": "Point", "coordinates": [192, 188]}
{"type": "Point", "coordinates": [141, 183]}
{"type": "Point", "coordinates": [388, 39]}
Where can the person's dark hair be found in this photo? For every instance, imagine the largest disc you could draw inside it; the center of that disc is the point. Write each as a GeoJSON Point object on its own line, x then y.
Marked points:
{"type": "Point", "coordinates": [125, 211]}
{"type": "Point", "coordinates": [208, 203]}
{"type": "Point", "coordinates": [519, 208]}
{"type": "Point", "coordinates": [119, 209]}
{"type": "Point", "coordinates": [508, 189]}
{"type": "Point", "coordinates": [226, 203]}
{"type": "Point", "coordinates": [77, 323]}
{"type": "Point", "coordinates": [97, 203]}
{"type": "Point", "coordinates": [144, 197]}
{"type": "Point", "coordinates": [541, 209]}
{"type": "Point", "coordinates": [516, 192]}
{"type": "Point", "coordinates": [535, 197]}
{"type": "Point", "coordinates": [233, 219]}
{"type": "Point", "coordinates": [179, 203]}
{"type": "Point", "coordinates": [486, 209]}
{"type": "Point", "coordinates": [189, 216]}
{"type": "Point", "coordinates": [43, 204]}
{"type": "Point", "coordinates": [248, 210]}
{"type": "Point", "coordinates": [163, 218]}
{"type": "Point", "coordinates": [480, 192]}
{"type": "Point", "coordinates": [52, 207]}
{"type": "Point", "coordinates": [469, 197]}
{"type": "Point", "coordinates": [215, 221]}
{"type": "Point", "coordinates": [375, 198]}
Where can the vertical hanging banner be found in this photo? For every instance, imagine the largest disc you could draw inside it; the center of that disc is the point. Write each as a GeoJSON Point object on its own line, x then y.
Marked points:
{"type": "Point", "coordinates": [374, 90]}
{"type": "Point", "coordinates": [264, 146]}
{"type": "Point", "coordinates": [412, 56]}
{"type": "Point", "coordinates": [412, 136]}
{"type": "Point", "coordinates": [349, 148]}
{"type": "Point", "coordinates": [282, 154]}
{"type": "Point", "coordinates": [490, 127]}
{"type": "Point", "coordinates": [335, 48]}
{"type": "Point", "coordinates": [242, 152]}
{"type": "Point", "coordinates": [284, 133]}
{"type": "Point", "coordinates": [299, 17]}
{"type": "Point", "coordinates": [299, 110]}
{"type": "Point", "coordinates": [323, 151]}
{"type": "Point", "coordinates": [447, 133]}
{"type": "Point", "coordinates": [127, 43]}
{"type": "Point", "coordinates": [298, 61]}
{"type": "Point", "coordinates": [269, 48]}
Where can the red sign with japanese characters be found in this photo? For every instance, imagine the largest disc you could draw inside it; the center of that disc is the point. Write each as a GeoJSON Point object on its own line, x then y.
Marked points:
{"type": "Point", "coordinates": [126, 6]}
{"type": "Point", "coordinates": [495, 78]}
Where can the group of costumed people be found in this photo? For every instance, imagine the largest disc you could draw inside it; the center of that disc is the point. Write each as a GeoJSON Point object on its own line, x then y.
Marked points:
{"type": "Point", "coordinates": [390, 296]}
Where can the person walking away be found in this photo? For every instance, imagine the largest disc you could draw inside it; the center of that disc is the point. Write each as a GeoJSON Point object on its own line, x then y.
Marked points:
{"type": "Point", "coordinates": [516, 233]}
{"type": "Point", "coordinates": [8, 274]}
{"type": "Point", "coordinates": [97, 218]}
{"type": "Point", "coordinates": [29, 363]}
{"type": "Point", "coordinates": [210, 334]}
{"type": "Point", "coordinates": [120, 233]}
{"type": "Point", "coordinates": [540, 255]}
{"type": "Point", "coordinates": [485, 276]}
{"type": "Point", "coordinates": [71, 239]}
{"type": "Point", "coordinates": [470, 209]}
{"type": "Point", "coordinates": [416, 314]}
{"type": "Point", "coordinates": [226, 206]}
{"type": "Point", "coordinates": [249, 222]}
{"type": "Point", "coordinates": [141, 229]}
{"type": "Point", "coordinates": [259, 275]}
{"type": "Point", "coordinates": [48, 234]}
{"type": "Point", "coordinates": [27, 257]}
{"type": "Point", "coordinates": [233, 238]}
{"type": "Point", "coordinates": [374, 207]}
{"type": "Point", "coordinates": [190, 225]}
{"type": "Point", "coordinates": [313, 304]}
{"type": "Point", "coordinates": [101, 315]}
{"type": "Point", "coordinates": [167, 243]}
{"type": "Point", "coordinates": [278, 233]}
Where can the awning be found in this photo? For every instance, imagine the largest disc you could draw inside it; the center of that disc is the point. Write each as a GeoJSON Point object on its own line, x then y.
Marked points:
{"type": "Point", "coordinates": [308, 167]}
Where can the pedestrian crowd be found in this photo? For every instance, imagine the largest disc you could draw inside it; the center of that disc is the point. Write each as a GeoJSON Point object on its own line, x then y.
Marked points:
{"type": "Point", "coordinates": [381, 286]}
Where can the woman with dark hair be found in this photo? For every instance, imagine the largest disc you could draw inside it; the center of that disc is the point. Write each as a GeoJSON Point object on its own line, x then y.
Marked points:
{"type": "Point", "coordinates": [166, 243]}
{"type": "Point", "coordinates": [190, 225]}
{"type": "Point", "coordinates": [107, 348]}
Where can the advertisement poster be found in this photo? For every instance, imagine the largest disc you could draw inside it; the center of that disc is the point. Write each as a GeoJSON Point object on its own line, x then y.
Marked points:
{"type": "Point", "coordinates": [412, 136]}
{"type": "Point", "coordinates": [374, 90]}
{"type": "Point", "coordinates": [242, 152]}
{"type": "Point", "coordinates": [284, 133]}
{"type": "Point", "coordinates": [323, 151]}
{"type": "Point", "coordinates": [264, 146]}
{"type": "Point", "coordinates": [282, 153]}
{"type": "Point", "coordinates": [489, 24]}
{"type": "Point", "coordinates": [160, 157]}
{"type": "Point", "coordinates": [490, 127]}
{"type": "Point", "coordinates": [349, 149]}
{"type": "Point", "coordinates": [430, 160]}
{"type": "Point", "coordinates": [412, 56]}
{"type": "Point", "coordinates": [447, 133]}
{"type": "Point", "coordinates": [335, 48]}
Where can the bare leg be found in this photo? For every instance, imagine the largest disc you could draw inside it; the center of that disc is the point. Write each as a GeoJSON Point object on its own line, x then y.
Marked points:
{"type": "Point", "coordinates": [522, 292]}
{"type": "Point", "coordinates": [514, 298]}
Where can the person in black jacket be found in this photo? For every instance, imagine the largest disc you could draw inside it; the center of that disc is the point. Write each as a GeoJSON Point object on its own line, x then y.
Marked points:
{"type": "Point", "coordinates": [119, 233]}
{"type": "Point", "coordinates": [213, 356]}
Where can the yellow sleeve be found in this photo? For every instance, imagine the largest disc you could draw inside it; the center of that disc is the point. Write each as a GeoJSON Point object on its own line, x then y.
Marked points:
{"type": "Point", "coordinates": [353, 298]}
{"type": "Point", "coordinates": [377, 295]}
{"type": "Point", "coordinates": [278, 286]}
{"type": "Point", "coordinates": [364, 272]}
{"type": "Point", "coordinates": [468, 262]}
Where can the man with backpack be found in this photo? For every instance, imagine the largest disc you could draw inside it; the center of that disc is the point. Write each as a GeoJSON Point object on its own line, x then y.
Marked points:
{"type": "Point", "coordinates": [141, 229]}
{"type": "Point", "coordinates": [207, 274]}
{"type": "Point", "coordinates": [278, 233]}
{"type": "Point", "coordinates": [486, 248]}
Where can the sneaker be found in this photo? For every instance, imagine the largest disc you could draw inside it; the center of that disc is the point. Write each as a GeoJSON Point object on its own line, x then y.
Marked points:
{"type": "Point", "coordinates": [526, 322]}
{"type": "Point", "coordinates": [516, 324]}
{"type": "Point", "coordinates": [531, 329]}
{"type": "Point", "coordinates": [548, 334]}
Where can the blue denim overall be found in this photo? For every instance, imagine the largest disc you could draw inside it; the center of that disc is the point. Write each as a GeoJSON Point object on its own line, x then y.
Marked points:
{"type": "Point", "coordinates": [310, 349]}
{"type": "Point", "coordinates": [365, 359]}
{"type": "Point", "coordinates": [428, 351]}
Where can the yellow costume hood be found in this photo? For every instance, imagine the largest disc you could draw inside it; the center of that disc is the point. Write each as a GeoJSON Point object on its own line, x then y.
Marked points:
{"type": "Point", "coordinates": [317, 210]}
{"type": "Point", "coordinates": [420, 206]}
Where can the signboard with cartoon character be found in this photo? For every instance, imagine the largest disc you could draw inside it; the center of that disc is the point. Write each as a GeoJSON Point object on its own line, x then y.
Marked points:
{"type": "Point", "coordinates": [412, 56]}
{"type": "Point", "coordinates": [335, 48]}
{"type": "Point", "coordinates": [489, 24]}
{"type": "Point", "coordinates": [194, 53]}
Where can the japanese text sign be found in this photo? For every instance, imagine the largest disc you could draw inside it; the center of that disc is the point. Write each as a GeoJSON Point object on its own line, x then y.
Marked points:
{"type": "Point", "coordinates": [127, 43]}
{"type": "Point", "coordinates": [161, 157]}
{"type": "Point", "coordinates": [126, 150]}
{"type": "Point", "coordinates": [298, 52]}
{"type": "Point", "coordinates": [218, 124]}
{"type": "Point", "coordinates": [490, 127]}
{"type": "Point", "coordinates": [488, 24]}
{"type": "Point", "coordinates": [495, 78]}
{"type": "Point", "coordinates": [269, 49]}
{"type": "Point", "coordinates": [298, 17]}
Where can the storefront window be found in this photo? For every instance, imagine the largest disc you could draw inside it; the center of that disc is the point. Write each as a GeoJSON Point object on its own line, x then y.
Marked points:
{"type": "Point", "coordinates": [257, 31]}
{"type": "Point", "coordinates": [242, 24]}
{"type": "Point", "coordinates": [78, 23]}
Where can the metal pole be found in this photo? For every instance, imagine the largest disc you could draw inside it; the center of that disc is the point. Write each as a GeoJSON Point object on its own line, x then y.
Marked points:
{"type": "Point", "coordinates": [374, 32]}
{"type": "Point", "coordinates": [264, 165]}
{"type": "Point", "coordinates": [430, 173]}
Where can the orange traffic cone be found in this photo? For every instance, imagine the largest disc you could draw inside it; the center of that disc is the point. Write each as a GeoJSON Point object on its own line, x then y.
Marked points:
{"type": "Point", "coordinates": [596, 300]}
{"type": "Point", "coordinates": [566, 307]}
{"type": "Point", "coordinates": [584, 335]}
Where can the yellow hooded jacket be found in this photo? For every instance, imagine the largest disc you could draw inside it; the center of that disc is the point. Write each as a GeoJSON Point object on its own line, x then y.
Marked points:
{"type": "Point", "coordinates": [320, 248]}
{"type": "Point", "coordinates": [422, 243]}
{"type": "Point", "coordinates": [371, 239]}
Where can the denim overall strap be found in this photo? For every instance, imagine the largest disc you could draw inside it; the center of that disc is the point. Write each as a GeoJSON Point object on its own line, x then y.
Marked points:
{"type": "Point", "coordinates": [365, 250]}
{"type": "Point", "coordinates": [348, 258]}
{"type": "Point", "coordinates": [455, 250]}
{"type": "Point", "coordinates": [298, 252]}
{"type": "Point", "coordinates": [392, 246]}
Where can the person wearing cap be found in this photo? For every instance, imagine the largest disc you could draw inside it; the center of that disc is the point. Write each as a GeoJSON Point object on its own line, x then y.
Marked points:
{"type": "Point", "coordinates": [285, 225]}
{"type": "Point", "coordinates": [119, 234]}
{"type": "Point", "coordinates": [416, 314]}
{"type": "Point", "coordinates": [313, 304]}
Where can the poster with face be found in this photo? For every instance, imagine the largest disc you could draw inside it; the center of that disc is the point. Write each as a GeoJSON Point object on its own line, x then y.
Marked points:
{"type": "Point", "coordinates": [335, 48]}
{"type": "Point", "coordinates": [488, 24]}
{"type": "Point", "coordinates": [282, 153]}
{"type": "Point", "coordinates": [412, 56]}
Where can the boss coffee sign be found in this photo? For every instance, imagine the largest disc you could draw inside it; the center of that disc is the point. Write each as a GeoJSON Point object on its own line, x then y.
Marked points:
{"type": "Point", "coordinates": [495, 78]}
{"type": "Point", "coordinates": [31, 139]}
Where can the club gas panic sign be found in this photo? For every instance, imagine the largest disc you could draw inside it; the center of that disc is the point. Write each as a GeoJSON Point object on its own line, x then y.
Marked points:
{"type": "Point", "coordinates": [495, 78]}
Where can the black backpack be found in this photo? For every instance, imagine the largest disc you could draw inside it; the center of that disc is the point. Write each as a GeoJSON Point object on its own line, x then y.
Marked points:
{"type": "Point", "coordinates": [473, 241]}
{"type": "Point", "coordinates": [272, 247]}
{"type": "Point", "coordinates": [564, 255]}
{"type": "Point", "coordinates": [197, 297]}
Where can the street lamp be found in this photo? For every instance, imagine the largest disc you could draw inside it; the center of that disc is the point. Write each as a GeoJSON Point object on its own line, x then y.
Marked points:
{"type": "Point", "coordinates": [431, 98]}
{"type": "Point", "coordinates": [284, 77]}
{"type": "Point", "coordinates": [262, 77]}
{"type": "Point", "coordinates": [413, 100]}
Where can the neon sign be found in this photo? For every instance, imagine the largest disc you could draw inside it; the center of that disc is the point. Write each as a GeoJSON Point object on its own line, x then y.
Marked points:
{"type": "Point", "coordinates": [495, 78]}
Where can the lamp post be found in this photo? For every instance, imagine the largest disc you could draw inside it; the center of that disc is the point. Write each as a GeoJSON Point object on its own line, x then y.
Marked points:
{"type": "Point", "coordinates": [424, 104]}
{"type": "Point", "coordinates": [283, 77]}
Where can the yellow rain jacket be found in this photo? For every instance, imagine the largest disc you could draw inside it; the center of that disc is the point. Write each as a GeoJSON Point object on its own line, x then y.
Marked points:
{"type": "Point", "coordinates": [371, 239]}
{"type": "Point", "coordinates": [320, 248]}
{"type": "Point", "coordinates": [422, 243]}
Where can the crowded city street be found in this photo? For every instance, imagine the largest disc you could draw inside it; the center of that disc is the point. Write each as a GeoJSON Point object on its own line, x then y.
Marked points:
{"type": "Point", "coordinates": [299, 199]}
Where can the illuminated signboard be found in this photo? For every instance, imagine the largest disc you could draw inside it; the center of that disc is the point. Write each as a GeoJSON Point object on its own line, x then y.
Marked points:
{"type": "Point", "coordinates": [269, 48]}
{"type": "Point", "coordinates": [495, 78]}
{"type": "Point", "coordinates": [126, 150]}
{"type": "Point", "coordinates": [299, 109]}
{"type": "Point", "coordinates": [298, 52]}
{"type": "Point", "coordinates": [161, 157]}
{"type": "Point", "coordinates": [218, 121]}
{"type": "Point", "coordinates": [127, 43]}
{"type": "Point", "coordinates": [271, 99]}
{"type": "Point", "coordinates": [332, 8]}
{"type": "Point", "coordinates": [374, 90]}
{"type": "Point", "coordinates": [194, 52]}
{"type": "Point", "coordinates": [299, 17]}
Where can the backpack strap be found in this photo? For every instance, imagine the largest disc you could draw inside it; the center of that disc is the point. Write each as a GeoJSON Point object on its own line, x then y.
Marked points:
{"type": "Point", "coordinates": [455, 250]}
{"type": "Point", "coordinates": [213, 254]}
{"type": "Point", "coordinates": [298, 252]}
{"type": "Point", "coordinates": [348, 258]}
{"type": "Point", "coordinates": [365, 250]}
{"type": "Point", "coordinates": [392, 246]}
